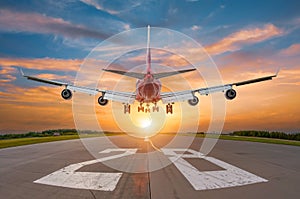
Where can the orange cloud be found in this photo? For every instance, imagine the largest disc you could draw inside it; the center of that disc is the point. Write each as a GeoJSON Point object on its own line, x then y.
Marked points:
{"type": "Point", "coordinates": [236, 40]}
{"type": "Point", "coordinates": [41, 64]}
{"type": "Point", "coordinates": [292, 50]}
{"type": "Point", "coordinates": [270, 105]}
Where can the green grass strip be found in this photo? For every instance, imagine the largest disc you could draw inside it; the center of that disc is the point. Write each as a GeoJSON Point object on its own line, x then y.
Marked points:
{"type": "Point", "coordinates": [253, 139]}
{"type": "Point", "coordinates": [262, 140]}
{"type": "Point", "coordinates": [34, 140]}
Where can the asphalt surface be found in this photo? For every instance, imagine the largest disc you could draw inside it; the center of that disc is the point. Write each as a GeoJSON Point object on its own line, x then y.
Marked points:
{"type": "Point", "coordinates": [22, 167]}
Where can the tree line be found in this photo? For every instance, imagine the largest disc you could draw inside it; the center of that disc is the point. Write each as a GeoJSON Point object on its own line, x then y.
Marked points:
{"type": "Point", "coordinates": [40, 134]}
{"type": "Point", "coordinates": [267, 134]}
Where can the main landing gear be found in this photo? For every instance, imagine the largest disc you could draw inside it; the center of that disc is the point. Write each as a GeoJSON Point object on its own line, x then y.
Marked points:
{"type": "Point", "coordinates": [169, 108]}
{"type": "Point", "coordinates": [126, 108]}
{"type": "Point", "coordinates": [147, 109]}
{"type": "Point", "coordinates": [141, 108]}
{"type": "Point", "coordinates": [155, 108]}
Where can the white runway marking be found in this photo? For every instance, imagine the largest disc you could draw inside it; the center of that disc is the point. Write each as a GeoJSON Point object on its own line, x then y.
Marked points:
{"type": "Point", "coordinates": [68, 177]}
{"type": "Point", "coordinates": [230, 177]}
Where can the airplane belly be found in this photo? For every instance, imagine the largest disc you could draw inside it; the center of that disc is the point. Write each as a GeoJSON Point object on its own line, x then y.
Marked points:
{"type": "Point", "coordinates": [148, 92]}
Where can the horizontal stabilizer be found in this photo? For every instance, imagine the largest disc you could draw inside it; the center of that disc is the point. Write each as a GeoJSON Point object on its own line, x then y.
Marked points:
{"type": "Point", "coordinates": [129, 74]}
{"type": "Point", "coordinates": [168, 74]}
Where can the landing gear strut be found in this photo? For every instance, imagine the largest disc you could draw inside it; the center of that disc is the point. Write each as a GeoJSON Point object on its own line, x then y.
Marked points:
{"type": "Point", "coordinates": [155, 108]}
{"type": "Point", "coordinates": [141, 108]}
{"type": "Point", "coordinates": [147, 110]}
{"type": "Point", "coordinates": [169, 108]}
{"type": "Point", "coordinates": [126, 108]}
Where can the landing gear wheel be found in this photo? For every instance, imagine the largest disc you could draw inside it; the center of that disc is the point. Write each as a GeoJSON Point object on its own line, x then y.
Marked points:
{"type": "Point", "coordinates": [126, 108]}
{"type": "Point", "coordinates": [102, 101]}
{"type": "Point", "coordinates": [66, 94]}
{"type": "Point", "coordinates": [194, 101]}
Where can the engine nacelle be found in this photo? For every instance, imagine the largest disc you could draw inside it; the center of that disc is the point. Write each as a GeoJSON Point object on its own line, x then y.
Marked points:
{"type": "Point", "coordinates": [230, 94]}
{"type": "Point", "coordinates": [102, 101]}
{"type": "Point", "coordinates": [194, 101]}
{"type": "Point", "coordinates": [66, 94]}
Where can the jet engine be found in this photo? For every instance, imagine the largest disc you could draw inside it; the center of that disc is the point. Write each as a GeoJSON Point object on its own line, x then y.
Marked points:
{"type": "Point", "coordinates": [230, 94]}
{"type": "Point", "coordinates": [66, 94]}
{"type": "Point", "coordinates": [194, 101]}
{"type": "Point", "coordinates": [102, 101]}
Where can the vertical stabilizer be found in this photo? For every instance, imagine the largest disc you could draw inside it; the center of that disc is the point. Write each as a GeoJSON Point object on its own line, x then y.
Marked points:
{"type": "Point", "coordinates": [148, 58]}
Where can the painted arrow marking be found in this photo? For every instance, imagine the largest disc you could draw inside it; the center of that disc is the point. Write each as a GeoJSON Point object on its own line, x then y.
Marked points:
{"type": "Point", "coordinates": [231, 176]}
{"type": "Point", "coordinates": [69, 177]}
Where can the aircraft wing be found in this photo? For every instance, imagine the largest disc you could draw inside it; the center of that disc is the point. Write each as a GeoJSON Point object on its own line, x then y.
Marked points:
{"type": "Point", "coordinates": [170, 97]}
{"type": "Point", "coordinates": [123, 97]}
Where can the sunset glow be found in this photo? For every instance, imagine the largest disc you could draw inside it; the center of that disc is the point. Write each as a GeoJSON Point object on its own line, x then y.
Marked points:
{"type": "Point", "coordinates": [244, 39]}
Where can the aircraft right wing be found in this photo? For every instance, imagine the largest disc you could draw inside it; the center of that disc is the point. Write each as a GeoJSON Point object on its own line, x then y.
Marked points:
{"type": "Point", "coordinates": [171, 97]}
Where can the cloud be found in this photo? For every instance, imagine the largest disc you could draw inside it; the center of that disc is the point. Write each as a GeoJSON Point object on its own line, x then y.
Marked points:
{"type": "Point", "coordinates": [36, 23]}
{"type": "Point", "coordinates": [294, 49]}
{"type": "Point", "coordinates": [237, 40]}
{"type": "Point", "coordinates": [39, 108]}
{"type": "Point", "coordinates": [5, 75]}
{"type": "Point", "coordinates": [98, 6]}
{"type": "Point", "coordinates": [41, 64]}
{"type": "Point", "coordinates": [123, 6]}
{"type": "Point", "coordinates": [195, 27]}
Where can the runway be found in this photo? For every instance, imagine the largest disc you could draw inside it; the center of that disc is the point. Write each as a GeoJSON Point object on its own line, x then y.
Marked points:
{"type": "Point", "coordinates": [234, 169]}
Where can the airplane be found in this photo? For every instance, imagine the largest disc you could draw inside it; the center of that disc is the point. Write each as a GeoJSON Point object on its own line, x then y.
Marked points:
{"type": "Point", "coordinates": [148, 88]}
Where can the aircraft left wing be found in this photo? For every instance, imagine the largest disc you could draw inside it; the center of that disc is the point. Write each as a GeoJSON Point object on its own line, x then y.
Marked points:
{"type": "Point", "coordinates": [170, 97]}
{"type": "Point", "coordinates": [123, 97]}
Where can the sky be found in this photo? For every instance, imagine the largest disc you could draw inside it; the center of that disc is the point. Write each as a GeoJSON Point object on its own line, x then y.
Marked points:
{"type": "Point", "coordinates": [245, 39]}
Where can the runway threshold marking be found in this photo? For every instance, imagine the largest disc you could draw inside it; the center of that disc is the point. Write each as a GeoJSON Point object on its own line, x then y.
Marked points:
{"type": "Point", "coordinates": [231, 176]}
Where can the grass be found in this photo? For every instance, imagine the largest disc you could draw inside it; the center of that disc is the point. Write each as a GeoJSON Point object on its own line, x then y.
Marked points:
{"type": "Point", "coordinates": [255, 139]}
{"type": "Point", "coordinates": [35, 140]}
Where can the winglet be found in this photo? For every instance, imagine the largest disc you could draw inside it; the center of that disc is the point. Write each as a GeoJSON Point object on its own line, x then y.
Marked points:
{"type": "Point", "coordinates": [277, 71]}
{"type": "Point", "coordinates": [21, 71]}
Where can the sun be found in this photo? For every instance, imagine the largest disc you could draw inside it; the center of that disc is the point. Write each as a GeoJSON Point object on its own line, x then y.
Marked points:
{"type": "Point", "coordinates": [145, 122]}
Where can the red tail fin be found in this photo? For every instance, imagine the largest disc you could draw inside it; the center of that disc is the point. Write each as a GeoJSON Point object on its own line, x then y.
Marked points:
{"type": "Point", "coordinates": [148, 59]}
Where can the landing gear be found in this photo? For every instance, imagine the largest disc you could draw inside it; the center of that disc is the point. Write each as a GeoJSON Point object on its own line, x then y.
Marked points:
{"type": "Point", "coordinates": [155, 108]}
{"type": "Point", "coordinates": [141, 108]}
{"type": "Point", "coordinates": [147, 110]}
{"type": "Point", "coordinates": [126, 108]}
{"type": "Point", "coordinates": [169, 108]}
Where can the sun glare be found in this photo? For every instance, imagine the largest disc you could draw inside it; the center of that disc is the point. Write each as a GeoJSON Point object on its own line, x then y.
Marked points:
{"type": "Point", "coordinates": [145, 122]}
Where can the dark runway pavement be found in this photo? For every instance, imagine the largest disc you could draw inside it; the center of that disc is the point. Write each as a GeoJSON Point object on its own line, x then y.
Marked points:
{"type": "Point", "coordinates": [233, 169]}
